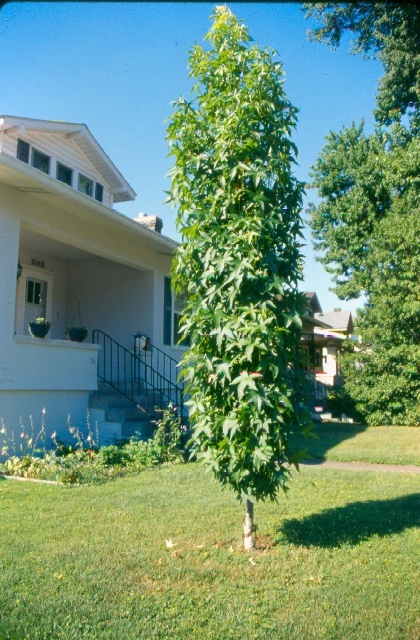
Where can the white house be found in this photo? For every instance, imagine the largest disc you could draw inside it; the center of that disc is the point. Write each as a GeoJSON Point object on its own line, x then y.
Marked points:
{"type": "Point", "coordinates": [62, 248]}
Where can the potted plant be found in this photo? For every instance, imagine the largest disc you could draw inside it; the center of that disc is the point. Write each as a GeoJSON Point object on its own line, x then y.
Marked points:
{"type": "Point", "coordinates": [39, 328]}
{"type": "Point", "coordinates": [76, 333]}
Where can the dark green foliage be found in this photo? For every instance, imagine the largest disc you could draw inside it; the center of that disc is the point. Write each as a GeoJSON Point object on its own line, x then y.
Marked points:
{"type": "Point", "coordinates": [361, 180]}
{"type": "Point", "coordinates": [384, 375]}
{"type": "Point", "coordinates": [239, 215]}
{"type": "Point", "coordinates": [367, 223]}
{"type": "Point", "coordinates": [389, 31]}
{"type": "Point", "coordinates": [340, 402]}
{"type": "Point", "coordinates": [350, 175]}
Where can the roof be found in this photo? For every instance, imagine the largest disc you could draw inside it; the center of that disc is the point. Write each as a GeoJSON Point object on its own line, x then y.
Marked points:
{"type": "Point", "coordinates": [28, 180]}
{"type": "Point", "coordinates": [315, 322]}
{"type": "Point", "coordinates": [82, 137]}
{"type": "Point", "coordinates": [313, 302]}
{"type": "Point", "coordinates": [337, 320]}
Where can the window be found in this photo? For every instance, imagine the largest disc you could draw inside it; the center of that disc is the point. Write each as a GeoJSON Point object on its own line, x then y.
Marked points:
{"type": "Point", "coordinates": [40, 161]}
{"type": "Point", "coordinates": [33, 291]}
{"type": "Point", "coordinates": [167, 313]}
{"type": "Point", "coordinates": [23, 151]}
{"type": "Point", "coordinates": [85, 185]}
{"type": "Point", "coordinates": [174, 305]}
{"type": "Point", "coordinates": [319, 358]}
{"type": "Point", "coordinates": [180, 301]}
{"type": "Point", "coordinates": [64, 174]}
{"type": "Point", "coordinates": [99, 192]}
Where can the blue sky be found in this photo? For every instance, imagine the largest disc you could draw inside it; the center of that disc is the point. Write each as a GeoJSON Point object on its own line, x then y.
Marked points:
{"type": "Point", "coordinates": [117, 67]}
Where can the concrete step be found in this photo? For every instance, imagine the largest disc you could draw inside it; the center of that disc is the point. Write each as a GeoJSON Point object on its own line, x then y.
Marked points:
{"type": "Point", "coordinates": [143, 429]}
{"type": "Point", "coordinates": [108, 431]}
{"type": "Point", "coordinates": [108, 400]}
{"type": "Point", "coordinates": [122, 414]}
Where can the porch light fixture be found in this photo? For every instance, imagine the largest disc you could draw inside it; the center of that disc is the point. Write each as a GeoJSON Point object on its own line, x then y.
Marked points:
{"type": "Point", "coordinates": [141, 342]}
{"type": "Point", "coordinates": [19, 270]}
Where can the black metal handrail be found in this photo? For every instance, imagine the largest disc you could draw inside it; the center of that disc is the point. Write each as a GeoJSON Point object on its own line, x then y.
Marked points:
{"type": "Point", "coordinates": [136, 377]}
{"type": "Point", "coordinates": [158, 360]}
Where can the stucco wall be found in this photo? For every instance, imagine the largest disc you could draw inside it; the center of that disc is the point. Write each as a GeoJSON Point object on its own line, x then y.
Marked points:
{"type": "Point", "coordinates": [17, 407]}
{"type": "Point", "coordinates": [114, 298]}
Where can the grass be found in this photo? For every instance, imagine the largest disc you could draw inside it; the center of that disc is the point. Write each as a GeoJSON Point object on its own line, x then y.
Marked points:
{"type": "Point", "coordinates": [339, 558]}
{"type": "Point", "coordinates": [347, 442]}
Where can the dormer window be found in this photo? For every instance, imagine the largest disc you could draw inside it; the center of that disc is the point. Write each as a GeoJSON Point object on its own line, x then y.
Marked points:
{"type": "Point", "coordinates": [40, 161]}
{"type": "Point", "coordinates": [99, 192]}
{"type": "Point", "coordinates": [23, 151]}
{"type": "Point", "coordinates": [85, 185]}
{"type": "Point", "coordinates": [64, 174]}
{"type": "Point", "coordinates": [90, 188]}
{"type": "Point", "coordinates": [52, 166]}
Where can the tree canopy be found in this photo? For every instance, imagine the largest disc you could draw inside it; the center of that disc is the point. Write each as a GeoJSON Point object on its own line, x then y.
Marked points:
{"type": "Point", "coordinates": [239, 262]}
{"type": "Point", "coordinates": [367, 222]}
{"type": "Point", "coordinates": [389, 31]}
{"type": "Point", "coordinates": [383, 374]}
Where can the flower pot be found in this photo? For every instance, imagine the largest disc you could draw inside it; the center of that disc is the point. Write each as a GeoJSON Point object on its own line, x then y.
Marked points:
{"type": "Point", "coordinates": [77, 334]}
{"type": "Point", "coordinates": [39, 330]}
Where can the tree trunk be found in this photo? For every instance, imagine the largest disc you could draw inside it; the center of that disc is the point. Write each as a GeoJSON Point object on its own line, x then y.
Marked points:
{"type": "Point", "coordinates": [249, 539]}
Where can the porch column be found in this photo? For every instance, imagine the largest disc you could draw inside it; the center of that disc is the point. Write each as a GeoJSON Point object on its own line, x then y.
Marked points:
{"type": "Point", "coordinates": [9, 257]}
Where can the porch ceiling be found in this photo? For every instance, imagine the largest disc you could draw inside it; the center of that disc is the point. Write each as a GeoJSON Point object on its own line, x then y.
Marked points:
{"type": "Point", "coordinates": [31, 240]}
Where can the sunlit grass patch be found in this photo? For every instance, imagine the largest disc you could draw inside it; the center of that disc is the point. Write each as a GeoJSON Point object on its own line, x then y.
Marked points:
{"type": "Point", "coordinates": [353, 442]}
{"type": "Point", "coordinates": [338, 558]}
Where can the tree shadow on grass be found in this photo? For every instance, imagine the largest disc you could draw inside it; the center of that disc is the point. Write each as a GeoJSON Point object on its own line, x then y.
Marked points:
{"type": "Point", "coordinates": [329, 435]}
{"type": "Point", "coordinates": [353, 523]}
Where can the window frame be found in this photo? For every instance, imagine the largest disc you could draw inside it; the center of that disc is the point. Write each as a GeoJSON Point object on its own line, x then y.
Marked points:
{"type": "Point", "coordinates": [43, 155]}
{"type": "Point", "coordinates": [26, 152]}
{"type": "Point", "coordinates": [60, 165]}
{"type": "Point", "coordinates": [99, 192]}
{"type": "Point", "coordinates": [22, 145]}
{"type": "Point", "coordinates": [88, 180]}
{"type": "Point", "coordinates": [169, 318]}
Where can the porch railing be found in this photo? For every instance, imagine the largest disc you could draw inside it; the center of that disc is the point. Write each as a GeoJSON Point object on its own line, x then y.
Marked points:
{"type": "Point", "coordinates": [137, 376]}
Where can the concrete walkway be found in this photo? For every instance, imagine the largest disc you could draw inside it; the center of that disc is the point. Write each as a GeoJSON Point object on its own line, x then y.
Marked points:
{"type": "Point", "coordinates": [364, 466]}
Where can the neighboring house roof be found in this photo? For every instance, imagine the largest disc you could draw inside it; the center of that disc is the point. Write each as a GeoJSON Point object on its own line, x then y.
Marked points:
{"type": "Point", "coordinates": [87, 144]}
{"type": "Point", "coordinates": [337, 320]}
{"type": "Point", "coordinates": [313, 302]}
{"type": "Point", "coordinates": [314, 321]}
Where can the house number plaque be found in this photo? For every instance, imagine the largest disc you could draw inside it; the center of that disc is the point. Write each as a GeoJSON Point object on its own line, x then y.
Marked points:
{"type": "Point", "coordinates": [37, 263]}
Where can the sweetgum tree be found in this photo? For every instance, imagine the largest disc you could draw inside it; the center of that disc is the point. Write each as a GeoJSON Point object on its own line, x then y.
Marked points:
{"type": "Point", "coordinates": [239, 263]}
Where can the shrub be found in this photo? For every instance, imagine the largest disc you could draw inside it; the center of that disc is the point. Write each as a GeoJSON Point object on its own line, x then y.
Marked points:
{"type": "Point", "coordinates": [83, 462]}
{"type": "Point", "coordinates": [339, 401]}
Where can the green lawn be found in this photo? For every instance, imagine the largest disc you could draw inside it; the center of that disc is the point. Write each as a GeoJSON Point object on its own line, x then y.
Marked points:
{"type": "Point", "coordinates": [339, 559]}
{"type": "Point", "coordinates": [350, 442]}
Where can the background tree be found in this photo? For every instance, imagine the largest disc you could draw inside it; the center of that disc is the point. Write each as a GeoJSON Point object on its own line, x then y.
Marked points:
{"type": "Point", "coordinates": [383, 375]}
{"type": "Point", "coordinates": [368, 217]}
{"type": "Point", "coordinates": [386, 30]}
{"type": "Point", "coordinates": [239, 216]}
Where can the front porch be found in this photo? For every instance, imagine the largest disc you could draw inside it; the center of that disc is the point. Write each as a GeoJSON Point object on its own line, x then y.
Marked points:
{"type": "Point", "coordinates": [78, 287]}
